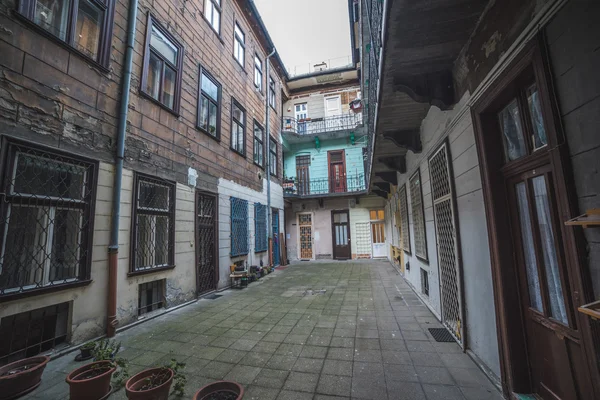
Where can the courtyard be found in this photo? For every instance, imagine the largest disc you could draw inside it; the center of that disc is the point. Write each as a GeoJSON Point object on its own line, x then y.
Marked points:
{"type": "Point", "coordinates": [315, 330]}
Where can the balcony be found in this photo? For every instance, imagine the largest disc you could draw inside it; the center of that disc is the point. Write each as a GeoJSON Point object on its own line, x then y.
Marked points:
{"type": "Point", "coordinates": [324, 187]}
{"type": "Point", "coordinates": [311, 126]}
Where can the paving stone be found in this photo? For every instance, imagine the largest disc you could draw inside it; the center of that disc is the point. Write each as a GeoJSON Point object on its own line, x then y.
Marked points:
{"type": "Point", "coordinates": [453, 360]}
{"type": "Point", "coordinates": [367, 344]}
{"type": "Point", "coordinates": [231, 356]}
{"type": "Point", "coordinates": [400, 373]}
{"type": "Point", "coordinates": [442, 392]}
{"type": "Point", "coordinates": [470, 377]}
{"type": "Point", "coordinates": [337, 367]}
{"type": "Point", "coordinates": [434, 375]}
{"type": "Point", "coordinates": [340, 354]}
{"type": "Point", "coordinates": [290, 395]}
{"type": "Point", "coordinates": [426, 359]}
{"type": "Point", "coordinates": [396, 357]}
{"type": "Point", "coordinates": [301, 382]}
{"type": "Point", "coordinates": [335, 385]}
{"type": "Point", "coordinates": [244, 344]}
{"type": "Point", "coordinates": [405, 390]}
{"type": "Point", "coordinates": [367, 355]}
{"type": "Point", "coordinates": [312, 365]}
{"type": "Point", "coordinates": [314, 352]}
{"type": "Point", "coordinates": [291, 350]}
{"type": "Point", "coordinates": [274, 337]}
{"type": "Point", "coordinates": [222, 341]}
{"type": "Point", "coordinates": [254, 392]}
{"type": "Point", "coordinates": [266, 347]}
{"type": "Point", "coordinates": [217, 369]}
{"type": "Point", "coordinates": [342, 342]}
{"type": "Point", "coordinates": [271, 378]}
{"type": "Point", "coordinates": [281, 362]}
{"type": "Point", "coordinates": [243, 374]}
{"type": "Point", "coordinates": [473, 393]}
{"type": "Point", "coordinates": [419, 346]}
{"type": "Point", "coordinates": [314, 340]}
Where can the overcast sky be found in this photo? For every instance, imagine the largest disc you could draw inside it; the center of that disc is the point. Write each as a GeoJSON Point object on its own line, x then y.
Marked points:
{"type": "Point", "coordinates": [307, 32]}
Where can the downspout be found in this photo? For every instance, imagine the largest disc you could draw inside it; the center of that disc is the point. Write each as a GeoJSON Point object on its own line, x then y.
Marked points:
{"type": "Point", "coordinates": [268, 155]}
{"type": "Point", "coordinates": [113, 247]}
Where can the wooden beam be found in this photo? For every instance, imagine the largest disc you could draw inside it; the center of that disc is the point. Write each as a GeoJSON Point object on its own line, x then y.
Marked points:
{"type": "Point", "coordinates": [389, 177]}
{"type": "Point", "coordinates": [435, 88]}
{"type": "Point", "coordinates": [407, 139]}
{"type": "Point", "coordinates": [395, 163]}
{"type": "Point", "coordinates": [380, 193]}
{"type": "Point", "coordinates": [384, 186]}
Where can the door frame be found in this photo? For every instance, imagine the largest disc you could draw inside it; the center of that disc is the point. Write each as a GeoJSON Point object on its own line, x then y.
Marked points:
{"type": "Point", "coordinates": [329, 177]}
{"type": "Point", "coordinates": [312, 234]}
{"type": "Point", "coordinates": [335, 96]}
{"type": "Point", "coordinates": [196, 231]}
{"type": "Point", "coordinates": [512, 346]}
{"type": "Point", "coordinates": [347, 211]}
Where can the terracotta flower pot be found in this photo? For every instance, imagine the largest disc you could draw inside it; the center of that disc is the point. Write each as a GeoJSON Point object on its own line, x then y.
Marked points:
{"type": "Point", "coordinates": [220, 386]}
{"type": "Point", "coordinates": [134, 386]}
{"type": "Point", "coordinates": [21, 376]}
{"type": "Point", "coordinates": [89, 388]}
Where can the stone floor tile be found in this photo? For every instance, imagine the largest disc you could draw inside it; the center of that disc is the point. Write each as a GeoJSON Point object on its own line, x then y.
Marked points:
{"type": "Point", "coordinates": [281, 362]}
{"type": "Point", "coordinates": [222, 341]}
{"type": "Point", "coordinates": [398, 345]}
{"type": "Point", "coordinates": [231, 356]}
{"type": "Point", "coordinates": [426, 359]}
{"type": "Point", "coordinates": [266, 347]}
{"type": "Point", "coordinates": [327, 397]}
{"type": "Point", "coordinates": [396, 357]}
{"type": "Point", "coordinates": [368, 356]}
{"type": "Point", "coordinates": [390, 334]}
{"type": "Point", "coordinates": [470, 377]}
{"type": "Point", "coordinates": [400, 373]}
{"type": "Point", "coordinates": [286, 349]}
{"type": "Point", "coordinates": [337, 367]}
{"type": "Point", "coordinates": [434, 375]}
{"type": "Point", "coordinates": [301, 382]}
{"type": "Point", "coordinates": [419, 346]}
{"type": "Point", "coordinates": [344, 332]}
{"type": "Point", "coordinates": [296, 339]}
{"type": "Point", "coordinates": [367, 333]}
{"type": "Point", "coordinates": [398, 390]}
{"type": "Point", "coordinates": [291, 395]}
{"type": "Point", "coordinates": [255, 359]}
{"type": "Point", "coordinates": [454, 360]}
{"type": "Point", "coordinates": [271, 378]}
{"type": "Point", "coordinates": [312, 365]}
{"type": "Point", "coordinates": [442, 392]}
{"type": "Point", "coordinates": [338, 353]}
{"type": "Point", "coordinates": [342, 342]}
{"type": "Point", "coordinates": [217, 369]}
{"type": "Point", "coordinates": [254, 392]}
{"type": "Point", "coordinates": [367, 344]}
{"type": "Point", "coordinates": [243, 374]}
{"type": "Point", "coordinates": [413, 334]}
{"type": "Point", "coordinates": [477, 393]}
{"type": "Point", "coordinates": [335, 385]}
{"type": "Point", "coordinates": [313, 352]}
{"type": "Point", "coordinates": [315, 340]}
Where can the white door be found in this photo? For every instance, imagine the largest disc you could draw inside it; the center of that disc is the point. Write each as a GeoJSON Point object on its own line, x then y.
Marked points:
{"type": "Point", "coordinates": [301, 113]}
{"type": "Point", "coordinates": [378, 233]}
{"type": "Point", "coordinates": [333, 113]}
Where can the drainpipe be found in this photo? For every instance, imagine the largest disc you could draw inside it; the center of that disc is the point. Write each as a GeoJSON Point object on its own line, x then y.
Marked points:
{"type": "Point", "coordinates": [268, 155]}
{"type": "Point", "coordinates": [113, 247]}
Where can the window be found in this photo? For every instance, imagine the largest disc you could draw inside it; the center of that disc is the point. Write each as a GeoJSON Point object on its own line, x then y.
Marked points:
{"type": "Point", "coordinates": [151, 296]}
{"type": "Point", "coordinates": [259, 134]}
{"type": "Point", "coordinates": [273, 157]}
{"type": "Point", "coordinates": [153, 224]}
{"type": "Point", "coordinates": [260, 227]}
{"type": "Point", "coordinates": [163, 63]}
{"type": "Point", "coordinates": [212, 13]}
{"type": "Point", "coordinates": [404, 231]}
{"type": "Point", "coordinates": [272, 93]}
{"type": "Point", "coordinates": [209, 105]}
{"type": "Point", "coordinates": [424, 282]}
{"type": "Point", "coordinates": [84, 25]}
{"type": "Point", "coordinates": [239, 227]}
{"type": "Point", "coordinates": [46, 219]}
{"type": "Point", "coordinates": [258, 77]}
{"type": "Point", "coordinates": [239, 44]}
{"type": "Point", "coordinates": [238, 128]}
{"type": "Point", "coordinates": [33, 332]}
{"type": "Point", "coordinates": [416, 202]}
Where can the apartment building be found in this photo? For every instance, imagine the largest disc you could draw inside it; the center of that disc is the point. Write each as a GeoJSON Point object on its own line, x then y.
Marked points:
{"type": "Point", "coordinates": [192, 179]}
{"type": "Point", "coordinates": [485, 150]}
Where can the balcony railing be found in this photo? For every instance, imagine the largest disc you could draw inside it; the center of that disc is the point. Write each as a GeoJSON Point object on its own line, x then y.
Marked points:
{"type": "Point", "coordinates": [324, 186]}
{"type": "Point", "coordinates": [309, 126]}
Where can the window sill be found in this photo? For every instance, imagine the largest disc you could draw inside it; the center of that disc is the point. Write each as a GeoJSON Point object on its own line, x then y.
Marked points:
{"type": "Point", "coordinates": [239, 65]}
{"type": "Point", "coordinates": [218, 34]}
{"type": "Point", "coordinates": [44, 290]}
{"type": "Point", "coordinates": [237, 152]}
{"type": "Point", "coordinates": [158, 103]}
{"type": "Point", "coordinates": [150, 271]}
{"type": "Point", "coordinates": [104, 69]}
{"type": "Point", "coordinates": [216, 138]}
{"type": "Point", "coordinates": [260, 166]}
{"type": "Point", "coordinates": [260, 251]}
{"type": "Point", "coordinates": [238, 255]}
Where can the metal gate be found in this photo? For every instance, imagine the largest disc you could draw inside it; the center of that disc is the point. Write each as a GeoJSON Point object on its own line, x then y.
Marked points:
{"type": "Point", "coordinates": [447, 242]}
{"type": "Point", "coordinates": [363, 239]}
{"type": "Point", "coordinates": [206, 240]}
{"type": "Point", "coordinates": [305, 222]}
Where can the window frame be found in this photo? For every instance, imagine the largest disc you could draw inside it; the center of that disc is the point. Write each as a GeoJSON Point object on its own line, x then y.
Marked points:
{"type": "Point", "coordinates": [262, 144]}
{"type": "Point", "coordinates": [422, 254]}
{"type": "Point", "coordinates": [10, 148]}
{"type": "Point", "coordinates": [242, 43]}
{"type": "Point", "coordinates": [272, 95]}
{"type": "Point", "coordinates": [235, 103]}
{"type": "Point", "coordinates": [258, 71]}
{"type": "Point", "coordinates": [404, 219]}
{"type": "Point", "coordinates": [274, 153]}
{"type": "Point", "coordinates": [26, 10]}
{"type": "Point", "coordinates": [216, 7]}
{"type": "Point", "coordinates": [203, 71]}
{"type": "Point", "coordinates": [244, 219]}
{"type": "Point", "coordinates": [137, 178]}
{"type": "Point", "coordinates": [265, 246]}
{"type": "Point", "coordinates": [153, 22]}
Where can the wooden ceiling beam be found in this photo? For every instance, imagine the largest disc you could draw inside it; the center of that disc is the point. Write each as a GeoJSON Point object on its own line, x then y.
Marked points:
{"type": "Point", "coordinates": [435, 88]}
{"type": "Point", "coordinates": [406, 139]}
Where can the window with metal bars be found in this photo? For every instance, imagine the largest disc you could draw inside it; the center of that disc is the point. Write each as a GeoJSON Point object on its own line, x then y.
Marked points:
{"type": "Point", "coordinates": [239, 227]}
{"type": "Point", "coordinates": [416, 202]}
{"type": "Point", "coordinates": [46, 213]}
{"type": "Point", "coordinates": [30, 333]}
{"type": "Point", "coordinates": [153, 224]}
{"type": "Point", "coordinates": [151, 296]}
{"type": "Point", "coordinates": [260, 227]}
{"type": "Point", "coordinates": [404, 229]}
{"type": "Point", "coordinates": [424, 282]}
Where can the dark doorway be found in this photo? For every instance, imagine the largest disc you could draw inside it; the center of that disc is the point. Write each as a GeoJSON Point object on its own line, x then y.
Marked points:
{"type": "Point", "coordinates": [275, 221]}
{"type": "Point", "coordinates": [337, 171]}
{"type": "Point", "coordinates": [206, 242]}
{"type": "Point", "coordinates": [340, 227]}
{"type": "Point", "coordinates": [302, 174]}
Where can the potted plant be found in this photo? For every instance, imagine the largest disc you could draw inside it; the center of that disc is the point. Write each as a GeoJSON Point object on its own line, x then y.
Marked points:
{"type": "Point", "coordinates": [221, 390]}
{"type": "Point", "coordinates": [85, 351]}
{"type": "Point", "coordinates": [95, 378]}
{"type": "Point", "coordinates": [21, 376]}
{"type": "Point", "coordinates": [154, 383]}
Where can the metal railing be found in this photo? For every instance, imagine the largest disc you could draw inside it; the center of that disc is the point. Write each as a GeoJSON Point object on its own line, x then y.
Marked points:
{"type": "Point", "coordinates": [322, 65]}
{"type": "Point", "coordinates": [310, 126]}
{"type": "Point", "coordinates": [324, 186]}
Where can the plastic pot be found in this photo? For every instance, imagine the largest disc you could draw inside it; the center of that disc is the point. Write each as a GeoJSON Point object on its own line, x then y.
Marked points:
{"type": "Point", "coordinates": [133, 387]}
{"type": "Point", "coordinates": [21, 377]}
{"type": "Point", "coordinates": [95, 387]}
{"type": "Point", "coordinates": [220, 386]}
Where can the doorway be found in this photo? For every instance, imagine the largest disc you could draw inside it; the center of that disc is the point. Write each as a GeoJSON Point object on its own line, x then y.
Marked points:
{"type": "Point", "coordinates": [337, 171]}
{"type": "Point", "coordinates": [306, 240]}
{"type": "Point", "coordinates": [303, 175]}
{"type": "Point", "coordinates": [301, 115]}
{"type": "Point", "coordinates": [207, 274]}
{"type": "Point", "coordinates": [275, 221]}
{"type": "Point", "coordinates": [378, 233]}
{"type": "Point", "coordinates": [340, 227]}
{"type": "Point", "coordinates": [333, 111]}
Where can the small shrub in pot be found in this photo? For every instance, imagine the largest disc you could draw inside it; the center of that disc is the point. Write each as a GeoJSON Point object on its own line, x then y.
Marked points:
{"type": "Point", "coordinates": [155, 383]}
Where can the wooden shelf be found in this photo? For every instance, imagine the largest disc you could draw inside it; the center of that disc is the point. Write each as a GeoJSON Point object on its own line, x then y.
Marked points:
{"type": "Point", "coordinates": [590, 219]}
{"type": "Point", "coordinates": [591, 309]}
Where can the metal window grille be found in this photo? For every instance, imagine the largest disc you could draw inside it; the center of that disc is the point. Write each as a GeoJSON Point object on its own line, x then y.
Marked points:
{"type": "Point", "coordinates": [404, 229]}
{"type": "Point", "coordinates": [206, 242]}
{"type": "Point", "coordinates": [30, 333]}
{"type": "Point", "coordinates": [239, 227]}
{"type": "Point", "coordinates": [447, 245]}
{"type": "Point", "coordinates": [154, 217]}
{"type": "Point", "coordinates": [363, 238]}
{"type": "Point", "coordinates": [416, 202]}
{"type": "Point", "coordinates": [46, 217]}
{"type": "Point", "coordinates": [151, 296]}
{"type": "Point", "coordinates": [424, 282]}
{"type": "Point", "coordinates": [305, 222]}
{"type": "Point", "coordinates": [260, 227]}
{"type": "Point", "coordinates": [302, 161]}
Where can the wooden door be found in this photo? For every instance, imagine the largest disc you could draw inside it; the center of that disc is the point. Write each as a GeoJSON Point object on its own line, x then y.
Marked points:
{"type": "Point", "coordinates": [340, 227]}
{"type": "Point", "coordinates": [207, 274]}
{"type": "Point", "coordinates": [303, 175]}
{"type": "Point", "coordinates": [306, 241]}
{"type": "Point", "coordinates": [337, 171]}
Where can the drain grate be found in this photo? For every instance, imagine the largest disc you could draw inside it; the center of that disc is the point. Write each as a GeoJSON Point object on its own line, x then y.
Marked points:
{"type": "Point", "coordinates": [441, 335]}
{"type": "Point", "coordinates": [212, 296]}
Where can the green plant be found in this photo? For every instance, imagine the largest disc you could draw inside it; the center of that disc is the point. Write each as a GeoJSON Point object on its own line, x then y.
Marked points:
{"type": "Point", "coordinates": [179, 379]}
{"type": "Point", "coordinates": [89, 346]}
{"type": "Point", "coordinates": [105, 349]}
